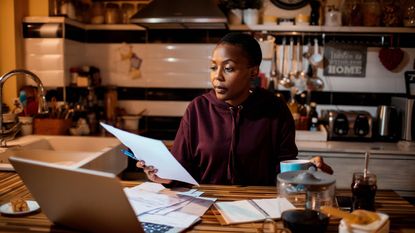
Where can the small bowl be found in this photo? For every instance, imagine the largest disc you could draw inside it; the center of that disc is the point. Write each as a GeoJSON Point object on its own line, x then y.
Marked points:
{"type": "Point", "coordinates": [310, 221]}
{"type": "Point", "coordinates": [9, 118]}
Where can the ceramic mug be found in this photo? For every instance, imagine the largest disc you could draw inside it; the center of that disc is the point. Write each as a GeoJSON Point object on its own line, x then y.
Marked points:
{"type": "Point", "coordinates": [295, 165]}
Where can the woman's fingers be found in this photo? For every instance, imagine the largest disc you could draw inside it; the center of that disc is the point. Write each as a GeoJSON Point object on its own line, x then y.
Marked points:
{"type": "Point", "coordinates": [151, 171]}
{"type": "Point", "coordinates": [140, 164]}
{"type": "Point", "coordinates": [319, 163]}
{"type": "Point", "coordinates": [152, 175]}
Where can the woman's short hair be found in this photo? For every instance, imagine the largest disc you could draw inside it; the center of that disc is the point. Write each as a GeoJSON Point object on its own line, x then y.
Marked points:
{"type": "Point", "coordinates": [247, 43]}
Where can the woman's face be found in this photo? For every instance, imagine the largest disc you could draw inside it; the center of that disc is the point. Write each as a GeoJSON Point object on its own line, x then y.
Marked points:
{"type": "Point", "coordinates": [231, 74]}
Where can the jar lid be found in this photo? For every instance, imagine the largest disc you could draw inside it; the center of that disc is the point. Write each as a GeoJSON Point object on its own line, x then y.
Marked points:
{"type": "Point", "coordinates": [307, 177]}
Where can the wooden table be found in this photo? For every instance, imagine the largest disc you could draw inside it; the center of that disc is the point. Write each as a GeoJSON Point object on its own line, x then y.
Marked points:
{"type": "Point", "coordinates": [401, 212]}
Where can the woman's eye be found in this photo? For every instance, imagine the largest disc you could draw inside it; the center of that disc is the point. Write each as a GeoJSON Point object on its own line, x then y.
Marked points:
{"type": "Point", "coordinates": [228, 69]}
{"type": "Point", "coordinates": [213, 68]}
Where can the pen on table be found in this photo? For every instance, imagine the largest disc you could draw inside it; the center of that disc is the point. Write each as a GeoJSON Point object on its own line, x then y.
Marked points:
{"type": "Point", "coordinates": [129, 154]}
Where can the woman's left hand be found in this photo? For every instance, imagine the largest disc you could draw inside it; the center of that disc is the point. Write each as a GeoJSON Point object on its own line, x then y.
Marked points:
{"type": "Point", "coordinates": [319, 163]}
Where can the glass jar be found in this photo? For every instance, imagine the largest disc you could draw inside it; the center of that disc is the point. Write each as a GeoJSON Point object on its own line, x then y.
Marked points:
{"type": "Point", "coordinates": [128, 10]}
{"type": "Point", "coordinates": [391, 16]}
{"type": "Point", "coordinates": [372, 12]}
{"type": "Point", "coordinates": [363, 191]}
{"type": "Point", "coordinates": [409, 14]}
{"type": "Point", "coordinates": [112, 13]}
{"type": "Point", "coordinates": [310, 189]}
{"type": "Point", "coordinates": [352, 13]}
{"type": "Point", "coordinates": [332, 16]}
{"type": "Point", "coordinates": [97, 13]}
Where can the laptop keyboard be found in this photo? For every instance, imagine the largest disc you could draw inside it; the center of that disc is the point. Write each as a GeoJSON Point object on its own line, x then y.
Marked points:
{"type": "Point", "coordinates": [155, 228]}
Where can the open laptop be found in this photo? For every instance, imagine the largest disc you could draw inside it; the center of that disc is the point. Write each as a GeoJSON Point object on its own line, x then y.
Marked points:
{"type": "Point", "coordinates": [82, 199]}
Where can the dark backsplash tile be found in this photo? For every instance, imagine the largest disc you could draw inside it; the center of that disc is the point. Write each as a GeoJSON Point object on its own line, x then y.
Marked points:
{"type": "Point", "coordinates": [116, 36]}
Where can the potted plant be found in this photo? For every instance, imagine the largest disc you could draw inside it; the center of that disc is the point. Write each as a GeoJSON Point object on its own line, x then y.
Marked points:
{"type": "Point", "coordinates": [234, 10]}
{"type": "Point", "coordinates": [251, 11]}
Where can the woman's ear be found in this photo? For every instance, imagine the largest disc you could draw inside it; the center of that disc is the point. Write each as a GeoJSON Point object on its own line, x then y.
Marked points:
{"type": "Point", "coordinates": [254, 72]}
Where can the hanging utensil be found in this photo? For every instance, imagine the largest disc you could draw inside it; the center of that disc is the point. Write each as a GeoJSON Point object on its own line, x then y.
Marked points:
{"type": "Point", "coordinates": [286, 81]}
{"type": "Point", "coordinates": [299, 81]}
{"type": "Point", "coordinates": [292, 72]}
{"type": "Point", "coordinates": [316, 58]}
{"type": "Point", "coordinates": [273, 72]}
{"type": "Point", "coordinates": [305, 59]}
{"type": "Point", "coordinates": [314, 83]}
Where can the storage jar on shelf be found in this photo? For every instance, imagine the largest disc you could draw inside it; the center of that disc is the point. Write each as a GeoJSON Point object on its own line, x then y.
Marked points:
{"type": "Point", "coordinates": [391, 14]}
{"type": "Point", "coordinates": [372, 12]}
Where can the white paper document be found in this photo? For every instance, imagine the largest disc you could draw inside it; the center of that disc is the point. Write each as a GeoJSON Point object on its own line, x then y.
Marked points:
{"type": "Point", "coordinates": [252, 210]}
{"type": "Point", "coordinates": [154, 153]}
{"type": "Point", "coordinates": [153, 204]}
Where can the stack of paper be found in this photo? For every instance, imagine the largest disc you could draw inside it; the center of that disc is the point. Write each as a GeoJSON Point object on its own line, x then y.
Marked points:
{"type": "Point", "coordinates": [252, 210]}
{"type": "Point", "coordinates": [152, 203]}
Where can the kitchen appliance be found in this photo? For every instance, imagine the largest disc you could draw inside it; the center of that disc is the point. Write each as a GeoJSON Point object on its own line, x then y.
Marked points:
{"type": "Point", "coordinates": [180, 14]}
{"type": "Point", "coordinates": [348, 125]}
{"type": "Point", "coordinates": [410, 84]}
{"type": "Point", "coordinates": [406, 117]}
{"type": "Point", "coordinates": [387, 128]}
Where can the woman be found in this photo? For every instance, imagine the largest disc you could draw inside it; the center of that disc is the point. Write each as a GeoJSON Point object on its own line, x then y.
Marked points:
{"type": "Point", "coordinates": [235, 134]}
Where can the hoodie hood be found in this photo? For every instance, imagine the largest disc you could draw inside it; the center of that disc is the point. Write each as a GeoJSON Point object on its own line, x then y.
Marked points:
{"type": "Point", "coordinates": [180, 14]}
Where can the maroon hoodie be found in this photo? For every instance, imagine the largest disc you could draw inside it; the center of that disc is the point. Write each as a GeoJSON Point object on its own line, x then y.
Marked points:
{"type": "Point", "coordinates": [221, 144]}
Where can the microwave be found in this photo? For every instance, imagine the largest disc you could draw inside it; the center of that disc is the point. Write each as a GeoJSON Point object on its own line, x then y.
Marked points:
{"type": "Point", "coordinates": [406, 116]}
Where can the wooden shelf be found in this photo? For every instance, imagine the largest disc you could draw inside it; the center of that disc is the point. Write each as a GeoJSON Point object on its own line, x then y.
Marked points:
{"type": "Point", "coordinates": [293, 29]}
{"type": "Point", "coordinates": [82, 25]}
{"type": "Point", "coordinates": [322, 29]}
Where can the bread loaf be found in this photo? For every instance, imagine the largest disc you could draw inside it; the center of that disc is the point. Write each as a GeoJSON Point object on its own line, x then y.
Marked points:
{"type": "Point", "coordinates": [19, 205]}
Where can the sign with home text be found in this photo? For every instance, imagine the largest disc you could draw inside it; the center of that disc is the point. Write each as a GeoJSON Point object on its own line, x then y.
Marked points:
{"type": "Point", "coordinates": [345, 60]}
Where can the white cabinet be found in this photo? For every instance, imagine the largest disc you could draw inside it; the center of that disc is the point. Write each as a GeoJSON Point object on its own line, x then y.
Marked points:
{"type": "Point", "coordinates": [393, 171]}
{"type": "Point", "coordinates": [51, 58]}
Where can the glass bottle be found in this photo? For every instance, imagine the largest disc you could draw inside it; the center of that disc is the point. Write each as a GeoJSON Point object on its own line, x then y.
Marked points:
{"type": "Point", "coordinates": [303, 111]}
{"type": "Point", "coordinates": [315, 13]}
{"type": "Point", "coordinates": [352, 13]}
{"type": "Point", "coordinates": [313, 117]}
{"type": "Point", "coordinates": [372, 13]}
{"type": "Point", "coordinates": [111, 98]}
{"type": "Point", "coordinates": [293, 106]}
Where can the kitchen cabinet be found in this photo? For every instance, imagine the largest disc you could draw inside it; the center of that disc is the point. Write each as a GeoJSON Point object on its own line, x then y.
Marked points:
{"type": "Point", "coordinates": [394, 169]}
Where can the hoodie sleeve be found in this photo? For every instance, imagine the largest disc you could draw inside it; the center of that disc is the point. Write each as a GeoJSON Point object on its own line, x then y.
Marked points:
{"type": "Point", "coordinates": [182, 146]}
{"type": "Point", "coordinates": [287, 147]}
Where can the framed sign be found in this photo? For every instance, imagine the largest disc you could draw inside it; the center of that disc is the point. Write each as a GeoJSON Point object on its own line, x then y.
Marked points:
{"type": "Point", "coordinates": [345, 60]}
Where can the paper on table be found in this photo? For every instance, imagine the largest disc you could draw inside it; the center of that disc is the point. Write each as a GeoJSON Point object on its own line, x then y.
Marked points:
{"type": "Point", "coordinates": [274, 207]}
{"type": "Point", "coordinates": [143, 201]}
{"type": "Point", "coordinates": [245, 211]}
{"type": "Point", "coordinates": [176, 219]}
{"type": "Point", "coordinates": [154, 153]}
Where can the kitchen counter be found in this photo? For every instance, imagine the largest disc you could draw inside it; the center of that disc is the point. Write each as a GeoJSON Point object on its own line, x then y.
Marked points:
{"type": "Point", "coordinates": [401, 212]}
{"type": "Point", "coordinates": [401, 148]}
{"type": "Point", "coordinates": [353, 147]}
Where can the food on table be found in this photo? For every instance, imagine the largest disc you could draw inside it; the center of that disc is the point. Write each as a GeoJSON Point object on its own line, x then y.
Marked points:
{"type": "Point", "coordinates": [19, 205]}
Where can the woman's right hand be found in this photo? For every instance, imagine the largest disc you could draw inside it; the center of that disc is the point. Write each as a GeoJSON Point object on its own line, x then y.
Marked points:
{"type": "Point", "coordinates": [151, 171]}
